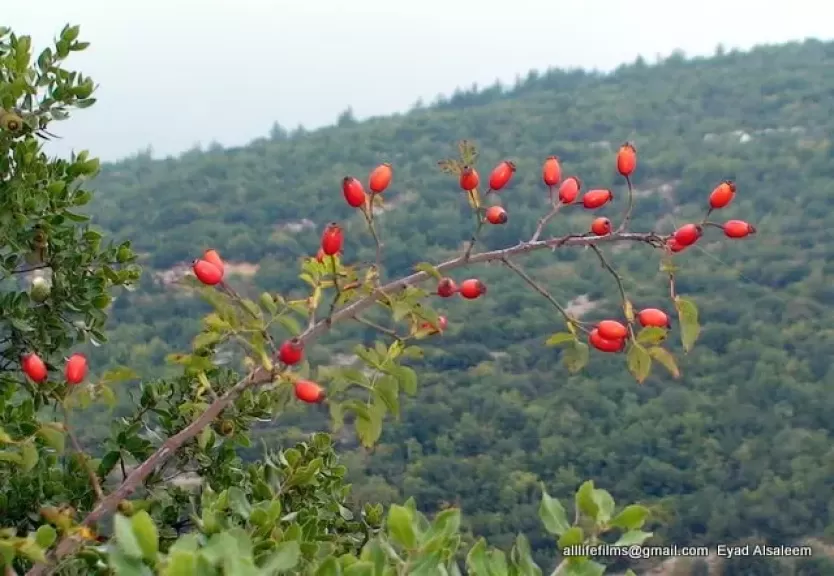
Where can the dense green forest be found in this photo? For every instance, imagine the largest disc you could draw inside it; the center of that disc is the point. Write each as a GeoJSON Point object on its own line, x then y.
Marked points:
{"type": "Point", "coordinates": [741, 446]}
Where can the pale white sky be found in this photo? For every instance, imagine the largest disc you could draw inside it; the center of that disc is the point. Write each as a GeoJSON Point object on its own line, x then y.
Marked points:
{"type": "Point", "coordinates": [173, 73]}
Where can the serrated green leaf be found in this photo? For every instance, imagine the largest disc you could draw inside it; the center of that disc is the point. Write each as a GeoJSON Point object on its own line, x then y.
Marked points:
{"type": "Point", "coordinates": [633, 537]}
{"type": "Point", "coordinates": [605, 503]}
{"type": "Point", "coordinates": [688, 318]}
{"type": "Point", "coordinates": [560, 339]}
{"type": "Point", "coordinates": [387, 389]}
{"type": "Point", "coordinates": [576, 356]}
{"type": "Point", "coordinates": [639, 362]}
{"type": "Point", "coordinates": [553, 514]}
{"type": "Point", "coordinates": [665, 358]}
{"type": "Point", "coordinates": [631, 517]}
{"type": "Point", "coordinates": [428, 269]}
{"type": "Point", "coordinates": [52, 437]}
{"type": "Point", "coordinates": [651, 335]}
{"type": "Point", "coordinates": [573, 536]}
{"type": "Point", "coordinates": [400, 526]}
{"type": "Point", "coordinates": [585, 499]}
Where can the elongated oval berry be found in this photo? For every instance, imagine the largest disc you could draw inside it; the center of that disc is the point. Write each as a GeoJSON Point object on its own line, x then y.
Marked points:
{"type": "Point", "coordinates": [601, 226]}
{"type": "Point", "coordinates": [627, 159]}
{"type": "Point", "coordinates": [594, 199]}
{"type": "Point", "coordinates": [75, 369]}
{"type": "Point", "coordinates": [469, 179]}
{"type": "Point", "coordinates": [332, 239]}
{"type": "Point", "coordinates": [501, 175]}
{"type": "Point", "coordinates": [674, 245]}
{"type": "Point", "coordinates": [207, 273]}
{"type": "Point", "coordinates": [612, 330]}
{"type": "Point", "coordinates": [496, 215]}
{"type": "Point", "coordinates": [722, 195]}
{"type": "Point", "coordinates": [213, 257]}
{"type": "Point", "coordinates": [446, 287]}
{"type": "Point", "coordinates": [380, 178]}
{"type": "Point", "coordinates": [354, 192]}
{"type": "Point", "coordinates": [648, 317]}
{"type": "Point", "coordinates": [569, 190]}
{"type": "Point", "coordinates": [738, 229]}
{"type": "Point", "coordinates": [688, 234]}
{"type": "Point", "coordinates": [604, 344]}
{"type": "Point", "coordinates": [33, 367]}
{"type": "Point", "coordinates": [552, 171]}
{"type": "Point", "coordinates": [291, 352]}
{"type": "Point", "coordinates": [472, 288]}
{"type": "Point", "coordinates": [308, 391]}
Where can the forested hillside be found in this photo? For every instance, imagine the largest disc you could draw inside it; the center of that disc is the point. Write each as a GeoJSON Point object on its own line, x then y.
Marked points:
{"type": "Point", "coordinates": [740, 446]}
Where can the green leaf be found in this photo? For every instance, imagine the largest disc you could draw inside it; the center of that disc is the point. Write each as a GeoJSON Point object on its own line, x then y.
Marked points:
{"type": "Point", "coordinates": [522, 557]}
{"type": "Point", "coordinates": [146, 534]}
{"type": "Point", "coordinates": [8, 456]}
{"type": "Point", "coordinates": [329, 567]}
{"type": "Point", "coordinates": [361, 568]}
{"type": "Point", "coordinates": [553, 514]}
{"type": "Point", "coordinates": [639, 362]}
{"type": "Point", "coordinates": [125, 539]}
{"type": "Point", "coordinates": [665, 358]}
{"type": "Point", "coordinates": [31, 550]}
{"type": "Point", "coordinates": [559, 339]}
{"type": "Point", "coordinates": [633, 537]}
{"type": "Point", "coordinates": [407, 378]}
{"type": "Point", "coordinates": [688, 318]}
{"type": "Point", "coordinates": [283, 559]}
{"type": "Point", "coordinates": [576, 356]}
{"type": "Point", "coordinates": [585, 499]}
{"type": "Point", "coordinates": [428, 269]}
{"type": "Point", "coordinates": [46, 536]}
{"type": "Point", "coordinates": [605, 503]}
{"type": "Point", "coordinates": [268, 302]}
{"type": "Point", "coordinates": [400, 527]}
{"type": "Point", "coordinates": [52, 437]}
{"type": "Point", "coordinates": [368, 426]}
{"type": "Point", "coordinates": [572, 537]}
{"type": "Point", "coordinates": [630, 518]}
{"type": "Point", "coordinates": [29, 456]}
{"type": "Point", "coordinates": [387, 390]}
{"type": "Point", "coordinates": [4, 436]}
{"type": "Point", "coordinates": [206, 339]}
{"type": "Point", "coordinates": [181, 564]}
{"type": "Point", "coordinates": [651, 335]}
{"type": "Point", "coordinates": [476, 560]}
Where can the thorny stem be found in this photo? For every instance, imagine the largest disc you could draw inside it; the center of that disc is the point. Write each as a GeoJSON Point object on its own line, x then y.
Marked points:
{"type": "Point", "coordinates": [544, 220]}
{"type": "Point", "coordinates": [541, 290]}
{"type": "Point", "coordinates": [629, 208]}
{"type": "Point", "coordinates": [468, 252]}
{"type": "Point", "coordinates": [260, 375]}
{"type": "Point", "coordinates": [83, 456]}
{"type": "Point", "coordinates": [619, 282]}
{"type": "Point", "coordinates": [377, 327]}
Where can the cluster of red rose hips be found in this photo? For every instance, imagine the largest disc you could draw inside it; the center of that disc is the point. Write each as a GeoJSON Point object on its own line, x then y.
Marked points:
{"type": "Point", "coordinates": [75, 369]}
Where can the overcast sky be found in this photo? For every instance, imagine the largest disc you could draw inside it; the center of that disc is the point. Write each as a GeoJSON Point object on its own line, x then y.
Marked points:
{"type": "Point", "coordinates": [174, 73]}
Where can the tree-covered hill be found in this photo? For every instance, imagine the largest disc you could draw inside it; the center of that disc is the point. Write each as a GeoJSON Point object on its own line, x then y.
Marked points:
{"type": "Point", "coordinates": [740, 446]}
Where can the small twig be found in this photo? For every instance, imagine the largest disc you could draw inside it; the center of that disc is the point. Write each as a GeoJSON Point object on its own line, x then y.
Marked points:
{"type": "Point", "coordinates": [368, 213]}
{"type": "Point", "coordinates": [544, 220]}
{"type": "Point", "coordinates": [629, 208]}
{"type": "Point", "coordinates": [540, 289]}
{"type": "Point", "coordinates": [30, 269]}
{"type": "Point", "coordinates": [618, 279]}
{"type": "Point", "coordinates": [377, 327]}
{"type": "Point", "coordinates": [468, 252]}
{"type": "Point", "coordinates": [83, 456]}
{"type": "Point", "coordinates": [336, 286]}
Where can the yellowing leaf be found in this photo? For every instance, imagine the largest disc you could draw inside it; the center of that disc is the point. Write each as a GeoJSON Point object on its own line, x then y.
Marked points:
{"type": "Point", "coordinates": [666, 359]}
{"type": "Point", "coordinates": [576, 357]}
{"type": "Point", "coordinates": [688, 318]}
{"type": "Point", "coordinates": [559, 339]}
{"type": "Point", "coordinates": [651, 335]}
{"type": "Point", "coordinates": [639, 363]}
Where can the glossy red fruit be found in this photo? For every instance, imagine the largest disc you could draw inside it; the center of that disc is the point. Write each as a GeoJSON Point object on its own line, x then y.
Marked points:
{"type": "Point", "coordinates": [472, 288]}
{"type": "Point", "coordinates": [722, 195]}
{"type": "Point", "coordinates": [604, 344]}
{"type": "Point", "coordinates": [612, 330]}
{"type": "Point", "coordinates": [569, 190]}
{"type": "Point", "coordinates": [552, 171]}
{"type": "Point", "coordinates": [738, 229]}
{"type": "Point", "coordinates": [213, 257]}
{"type": "Point", "coordinates": [291, 352]}
{"type": "Point", "coordinates": [626, 159]}
{"type": "Point", "coordinates": [332, 239]}
{"type": "Point", "coordinates": [496, 215]}
{"type": "Point", "coordinates": [446, 287]}
{"type": "Point", "coordinates": [674, 245]}
{"type": "Point", "coordinates": [33, 367]}
{"type": "Point", "coordinates": [308, 391]}
{"type": "Point", "coordinates": [501, 175]}
{"type": "Point", "coordinates": [207, 273]}
{"type": "Point", "coordinates": [594, 199]}
{"type": "Point", "coordinates": [380, 178]}
{"type": "Point", "coordinates": [354, 192]}
{"type": "Point", "coordinates": [469, 178]}
{"type": "Point", "coordinates": [688, 234]}
{"type": "Point", "coordinates": [75, 369]}
{"type": "Point", "coordinates": [653, 317]}
{"type": "Point", "coordinates": [601, 226]}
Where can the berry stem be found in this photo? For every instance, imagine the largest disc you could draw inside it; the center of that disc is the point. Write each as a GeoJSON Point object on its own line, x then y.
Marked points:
{"type": "Point", "coordinates": [336, 286]}
{"type": "Point", "coordinates": [544, 220]}
{"type": "Point", "coordinates": [475, 235]}
{"type": "Point", "coordinates": [541, 290]}
{"type": "Point", "coordinates": [368, 213]}
{"type": "Point", "coordinates": [629, 208]}
{"type": "Point", "coordinates": [620, 287]}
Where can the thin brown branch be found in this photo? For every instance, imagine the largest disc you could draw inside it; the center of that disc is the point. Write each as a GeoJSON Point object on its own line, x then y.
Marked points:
{"type": "Point", "coordinates": [259, 376]}
{"type": "Point", "coordinates": [472, 241]}
{"type": "Point", "coordinates": [337, 288]}
{"type": "Point", "coordinates": [91, 473]}
{"type": "Point", "coordinates": [377, 327]}
{"type": "Point", "coordinates": [620, 287]}
{"type": "Point", "coordinates": [627, 216]}
{"type": "Point", "coordinates": [544, 220]}
{"type": "Point", "coordinates": [541, 290]}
